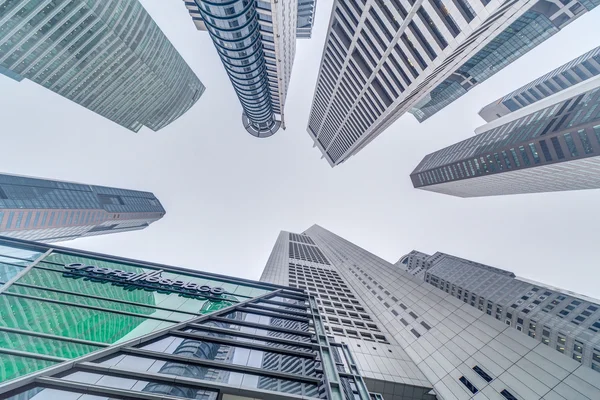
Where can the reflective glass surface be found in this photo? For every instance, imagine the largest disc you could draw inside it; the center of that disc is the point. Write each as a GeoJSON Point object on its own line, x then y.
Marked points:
{"type": "Point", "coordinates": [228, 354]}
{"type": "Point", "coordinates": [253, 381]}
{"type": "Point", "coordinates": [232, 336]}
{"type": "Point", "coordinates": [71, 321]}
{"type": "Point", "coordinates": [265, 320]}
{"type": "Point", "coordinates": [257, 331]}
{"type": "Point", "coordinates": [40, 345]}
{"type": "Point", "coordinates": [135, 385]}
{"type": "Point", "coordinates": [15, 366]}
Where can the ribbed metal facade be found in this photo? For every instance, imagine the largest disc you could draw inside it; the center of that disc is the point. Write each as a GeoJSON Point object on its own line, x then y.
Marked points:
{"type": "Point", "coordinates": [108, 56]}
{"type": "Point", "coordinates": [385, 58]}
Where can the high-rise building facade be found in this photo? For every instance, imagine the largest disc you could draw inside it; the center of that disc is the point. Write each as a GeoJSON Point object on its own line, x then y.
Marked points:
{"type": "Point", "coordinates": [417, 341]}
{"type": "Point", "coordinates": [108, 56]}
{"type": "Point", "coordinates": [256, 42]}
{"type": "Point", "coordinates": [78, 325]}
{"type": "Point", "coordinates": [55, 211]}
{"type": "Point", "coordinates": [385, 58]}
{"type": "Point", "coordinates": [306, 18]}
{"type": "Point", "coordinates": [551, 145]}
{"type": "Point", "coordinates": [578, 70]}
{"type": "Point", "coordinates": [566, 321]}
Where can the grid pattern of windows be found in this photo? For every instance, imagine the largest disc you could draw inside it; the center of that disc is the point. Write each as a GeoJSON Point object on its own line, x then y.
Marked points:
{"type": "Point", "coordinates": [294, 237]}
{"type": "Point", "coordinates": [304, 252]}
{"type": "Point", "coordinates": [44, 210]}
{"type": "Point", "coordinates": [580, 69]}
{"type": "Point", "coordinates": [564, 131]}
{"type": "Point", "coordinates": [345, 316]}
{"type": "Point", "coordinates": [556, 319]}
{"type": "Point", "coordinates": [377, 62]}
{"type": "Point", "coordinates": [108, 56]}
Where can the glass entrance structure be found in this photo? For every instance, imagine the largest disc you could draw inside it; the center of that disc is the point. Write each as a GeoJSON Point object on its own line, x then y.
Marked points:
{"type": "Point", "coordinates": [79, 325]}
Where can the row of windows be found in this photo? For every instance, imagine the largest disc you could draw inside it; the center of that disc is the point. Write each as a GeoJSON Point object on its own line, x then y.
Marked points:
{"type": "Point", "coordinates": [527, 303]}
{"type": "Point", "coordinates": [387, 85]}
{"type": "Point", "coordinates": [301, 251]}
{"type": "Point", "coordinates": [87, 44]}
{"type": "Point", "coordinates": [568, 145]}
{"type": "Point", "coordinates": [486, 377]}
{"type": "Point", "coordinates": [40, 219]}
{"type": "Point", "coordinates": [577, 70]}
{"type": "Point", "coordinates": [340, 307]}
{"type": "Point", "coordinates": [393, 298]}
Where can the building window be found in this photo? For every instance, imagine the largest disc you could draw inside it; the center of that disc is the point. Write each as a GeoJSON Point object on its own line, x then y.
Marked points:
{"type": "Point", "coordinates": [508, 395]}
{"type": "Point", "coordinates": [468, 384]}
{"type": "Point", "coordinates": [482, 373]}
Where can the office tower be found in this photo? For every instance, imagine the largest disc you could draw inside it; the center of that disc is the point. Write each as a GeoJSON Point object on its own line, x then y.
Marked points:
{"type": "Point", "coordinates": [79, 325]}
{"type": "Point", "coordinates": [108, 56]}
{"type": "Point", "coordinates": [306, 18]}
{"type": "Point", "coordinates": [551, 145]}
{"type": "Point", "coordinates": [385, 58]}
{"type": "Point", "coordinates": [563, 320]}
{"type": "Point", "coordinates": [413, 340]}
{"type": "Point", "coordinates": [257, 43]}
{"type": "Point", "coordinates": [54, 211]}
{"type": "Point", "coordinates": [578, 70]}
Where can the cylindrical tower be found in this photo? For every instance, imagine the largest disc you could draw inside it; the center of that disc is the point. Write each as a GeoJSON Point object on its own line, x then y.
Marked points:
{"type": "Point", "coordinates": [234, 28]}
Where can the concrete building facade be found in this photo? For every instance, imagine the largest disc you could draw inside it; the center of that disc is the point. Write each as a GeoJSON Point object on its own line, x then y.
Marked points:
{"type": "Point", "coordinates": [459, 351]}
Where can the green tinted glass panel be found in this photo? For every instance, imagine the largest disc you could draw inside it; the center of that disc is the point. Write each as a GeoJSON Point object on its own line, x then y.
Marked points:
{"type": "Point", "coordinates": [106, 304]}
{"type": "Point", "coordinates": [15, 366]}
{"type": "Point", "coordinates": [75, 322]}
{"type": "Point", "coordinates": [38, 345]}
{"type": "Point", "coordinates": [56, 280]}
{"type": "Point", "coordinates": [7, 271]}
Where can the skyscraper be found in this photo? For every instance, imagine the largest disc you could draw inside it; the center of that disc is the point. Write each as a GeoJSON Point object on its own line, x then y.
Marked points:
{"type": "Point", "coordinates": [386, 58]}
{"type": "Point", "coordinates": [108, 56]}
{"type": "Point", "coordinates": [306, 18]}
{"type": "Point", "coordinates": [578, 70]}
{"type": "Point", "coordinates": [551, 145]}
{"type": "Point", "coordinates": [77, 325]}
{"type": "Point", "coordinates": [566, 321]}
{"type": "Point", "coordinates": [418, 341]}
{"type": "Point", "coordinates": [257, 43]}
{"type": "Point", "coordinates": [52, 211]}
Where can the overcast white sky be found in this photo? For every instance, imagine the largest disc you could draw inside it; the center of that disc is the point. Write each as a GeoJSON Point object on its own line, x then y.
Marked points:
{"type": "Point", "coordinates": [228, 194]}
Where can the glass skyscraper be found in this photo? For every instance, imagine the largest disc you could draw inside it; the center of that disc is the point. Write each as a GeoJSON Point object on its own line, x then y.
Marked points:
{"type": "Point", "coordinates": [385, 58]}
{"type": "Point", "coordinates": [108, 56]}
{"type": "Point", "coordinates": [51, 211]}
{"type": "Point", "coordinates": [76, 325]}
{"type": "Point", "coordinates": [575, 71]}
{"type": "Point", "coordinates": [431, 336]}
{"type": "Point", "coordinates": [551, 145]}
{"type": "Point", "coordinates": [256, 41]}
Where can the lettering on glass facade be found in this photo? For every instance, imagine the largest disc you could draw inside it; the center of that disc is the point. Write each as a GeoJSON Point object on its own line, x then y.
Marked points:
{"type": "Point", "coordinates": [145, 280]}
